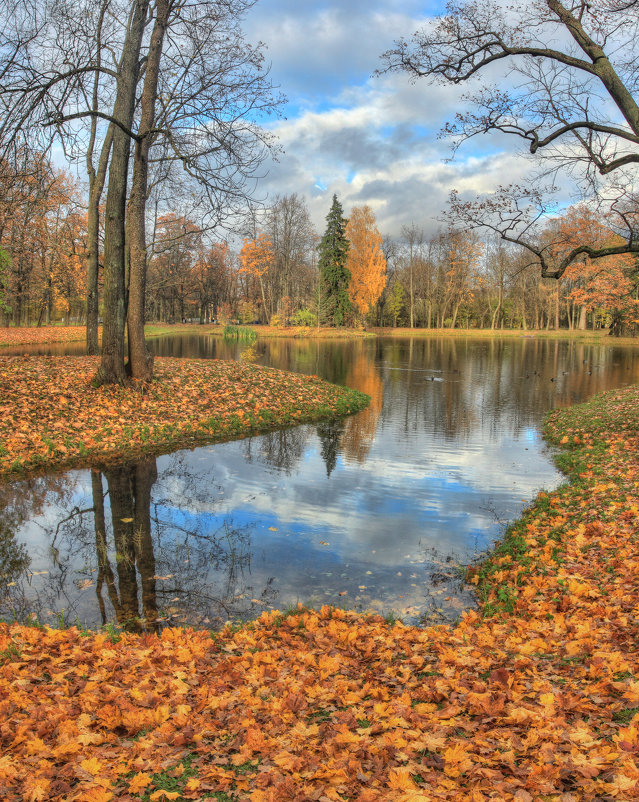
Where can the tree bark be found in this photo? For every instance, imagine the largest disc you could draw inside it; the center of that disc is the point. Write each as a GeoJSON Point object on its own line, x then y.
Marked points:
{"type": "Point", "coordinates": [112, 370]}
{"type": "Point", "coordinates": [96, 187]}
{"type": "Point", "coordinates": [140, 359]}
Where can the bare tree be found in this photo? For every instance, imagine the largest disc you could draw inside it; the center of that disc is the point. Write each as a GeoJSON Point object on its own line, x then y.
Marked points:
{"type": "Point", "coordinates": [413, 237]}
{"type": "Point", "coordinates": [568, 91]}
{"type": "Point", "coordinates": [289, 227]}
{"type": "Point", "coordinates": [182, 96]}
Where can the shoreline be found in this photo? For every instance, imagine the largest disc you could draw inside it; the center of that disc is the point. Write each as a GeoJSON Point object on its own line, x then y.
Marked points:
{"type": "Point", "coordinates": [534, 696]}
{"type": "Point", "coordinates": [52, 417]}
{"type": "Point", "coordinates": [15, 337]}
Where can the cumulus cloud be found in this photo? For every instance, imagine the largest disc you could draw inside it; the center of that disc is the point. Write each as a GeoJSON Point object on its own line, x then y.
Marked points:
{"type": "Point", "coordinates": [368, 139]}
{"type": "Point", "coordinates": [378, 145]}
{"type": "Point", "coordinates": [314, 47]}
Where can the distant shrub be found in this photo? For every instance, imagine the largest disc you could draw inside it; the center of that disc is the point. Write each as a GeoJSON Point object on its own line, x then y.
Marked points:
{"type": "Point", "coordinates": [304, 317]}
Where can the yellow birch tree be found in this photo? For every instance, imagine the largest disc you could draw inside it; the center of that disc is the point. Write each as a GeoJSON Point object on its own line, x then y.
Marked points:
{"type": "Point", "coordinates": [366, 261]}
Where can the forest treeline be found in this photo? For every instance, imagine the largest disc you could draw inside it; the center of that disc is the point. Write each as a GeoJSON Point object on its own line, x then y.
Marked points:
{"type": "Point", "coordinates": [278, 275]}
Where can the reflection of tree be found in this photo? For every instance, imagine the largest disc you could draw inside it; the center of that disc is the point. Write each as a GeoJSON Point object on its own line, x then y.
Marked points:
{"type": "Point", "coordinates": [130, 499]}
{"type": "Point", "coordinates": [14, 559]}
{"type": "Point", "coordinates": [282, 448]}
{"type": "Point", "coordinates": [360, 429]}
{"type": "Point", "coordinates": [329, 359]}
{"type": "Point", "coordinates": [143, 547]}
{"type": "Point", "coordinates": [330, 434]}
{"type": "Point", "coordinates": [20, 502]}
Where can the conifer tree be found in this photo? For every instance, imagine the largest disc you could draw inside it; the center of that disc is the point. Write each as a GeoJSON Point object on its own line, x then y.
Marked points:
{"type": "Point", "coordinates": [335, 305]}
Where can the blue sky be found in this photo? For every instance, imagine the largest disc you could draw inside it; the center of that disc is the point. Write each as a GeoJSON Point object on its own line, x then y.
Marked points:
{"type": "Point", "coordinates": [369, 139]}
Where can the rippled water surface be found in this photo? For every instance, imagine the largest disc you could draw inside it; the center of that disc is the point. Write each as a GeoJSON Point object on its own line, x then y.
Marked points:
{"type": "Point", "coordinates": [375, 512]}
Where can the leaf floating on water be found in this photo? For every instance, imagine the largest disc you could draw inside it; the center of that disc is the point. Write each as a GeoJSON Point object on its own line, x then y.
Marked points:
{"type": "Point", "coordinates": [324, 543]}
{"type": "Point", "coordinates": [273, 529]}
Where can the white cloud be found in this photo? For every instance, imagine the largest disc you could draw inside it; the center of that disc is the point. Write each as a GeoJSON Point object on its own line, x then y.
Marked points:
{"type": "Point", "coordinates": [378, 145]}
{"type": "Point", "coordinates": [369, 139]}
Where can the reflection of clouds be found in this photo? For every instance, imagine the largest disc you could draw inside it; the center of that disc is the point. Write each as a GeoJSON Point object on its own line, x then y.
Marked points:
{"type": "Point", "coordinates": [443, 465]}
{"type": "Point", "coordinates": [444, 496]}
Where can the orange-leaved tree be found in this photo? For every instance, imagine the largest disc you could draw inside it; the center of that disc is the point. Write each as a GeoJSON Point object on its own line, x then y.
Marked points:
{"type": "Point", "coordinates": [606, 284]}
{"type": "Point", "coordinates": [366, 260]}
{"type": "Point", "coordinates": [256, 259]}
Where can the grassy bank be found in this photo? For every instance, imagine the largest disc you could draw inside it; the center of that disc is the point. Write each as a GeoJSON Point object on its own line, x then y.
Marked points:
{"type": "Point", "coordinates": [52, 416]}
{"type": "Point", "coordinates": [533, 697]}
{"type": "Point", "coordinates": [600, 336]}
{"type": "Point", "coordinates": [54, 334]}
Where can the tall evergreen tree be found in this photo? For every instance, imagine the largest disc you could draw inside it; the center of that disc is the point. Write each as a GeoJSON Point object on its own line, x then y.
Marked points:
{"type": "Point", "coordinates": [335, 277]}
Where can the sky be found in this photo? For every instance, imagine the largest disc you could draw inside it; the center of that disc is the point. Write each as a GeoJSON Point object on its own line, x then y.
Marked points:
{"type": "Point", "coordinates": [371, 140]}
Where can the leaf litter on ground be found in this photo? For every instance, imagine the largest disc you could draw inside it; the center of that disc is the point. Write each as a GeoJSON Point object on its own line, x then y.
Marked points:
{"type": "Point", "coordinates": [52, 415]}
{"type": "Point", "coordinates": [533, 697]}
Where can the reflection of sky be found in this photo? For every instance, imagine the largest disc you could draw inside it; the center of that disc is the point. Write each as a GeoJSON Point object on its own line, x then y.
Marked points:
{"type": "Point", "coordinates": [441, 501]}
{"type": "Point", "coordinates": [447, 465]}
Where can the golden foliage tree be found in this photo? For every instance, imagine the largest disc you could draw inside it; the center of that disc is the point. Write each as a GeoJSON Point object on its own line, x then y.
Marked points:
{"type": "Point", "coordinates": [256, 259]}
{"type": "Point", "coordinates": [366, 261]}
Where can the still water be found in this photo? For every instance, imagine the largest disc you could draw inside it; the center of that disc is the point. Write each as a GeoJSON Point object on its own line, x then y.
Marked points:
{"type": "Point", "coordinates": [375, 512]}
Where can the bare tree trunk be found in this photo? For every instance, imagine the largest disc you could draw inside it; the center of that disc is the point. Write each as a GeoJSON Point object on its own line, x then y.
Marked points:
{"type": "Point", "coordinates": [96, 187]}
{"type": "Point", "coordinates": [268, 317]}
{"type": "Point", "coordinates": [454, 318]}
{"type": "Point", "coordinates": [111, 370]}
{"type": "Point", "coordinates": [582, 324]}
{"type": "Point", "coordinates": [412, 294]}
{"type": "Point", "coordinates": [140, 359]}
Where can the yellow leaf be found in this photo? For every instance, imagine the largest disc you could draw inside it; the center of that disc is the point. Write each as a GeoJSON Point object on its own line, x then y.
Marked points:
{"type": "Point", "coordinates": [139, 782]}
{"type": "Point", "coordinates": [400, 780]}
{"type": "Point", "coordinates": [92, 765]}
{"type": "Point", "coordinates": [95, 794]}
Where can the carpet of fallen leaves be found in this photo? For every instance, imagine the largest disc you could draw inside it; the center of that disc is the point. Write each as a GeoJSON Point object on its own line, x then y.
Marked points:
{"type": "Point", "coordinates": [535, 697]}
{"type": "Point", "coordinates": [52, 415]}
{"type": "Point", "coordinates": [43, 334]}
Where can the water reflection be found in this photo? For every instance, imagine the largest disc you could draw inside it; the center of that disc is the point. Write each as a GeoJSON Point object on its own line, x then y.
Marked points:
{"type": "Point", "coordinates": [116, 551]}
{"type": "Point", "coordinates": [129, 491]}
{"type": "Point", "coordinates": [373, 512]}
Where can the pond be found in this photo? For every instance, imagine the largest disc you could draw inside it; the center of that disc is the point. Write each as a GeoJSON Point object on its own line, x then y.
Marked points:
{"type": "Point", "coordinates": [377, 512]}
